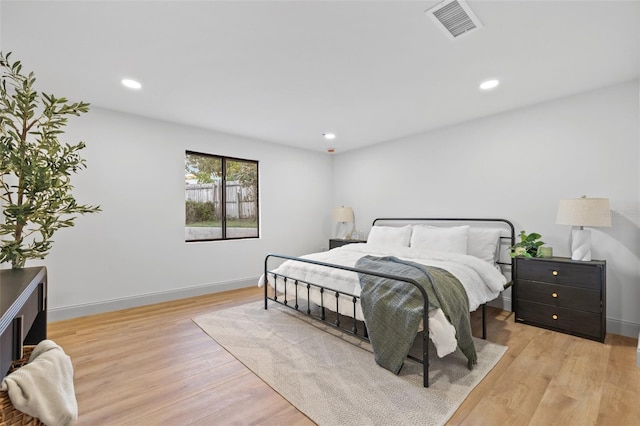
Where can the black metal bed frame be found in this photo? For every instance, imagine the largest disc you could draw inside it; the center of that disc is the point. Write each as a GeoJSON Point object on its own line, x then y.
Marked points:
{"type": "Point", "coordinates": [337, 323]}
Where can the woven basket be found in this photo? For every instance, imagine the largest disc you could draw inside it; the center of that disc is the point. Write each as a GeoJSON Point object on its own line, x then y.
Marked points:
{"type": "Point", "coordinates": [9, 415]}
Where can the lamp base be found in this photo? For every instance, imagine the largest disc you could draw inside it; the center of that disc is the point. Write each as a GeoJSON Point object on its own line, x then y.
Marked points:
{"type": "Point", "coordinates": [581, 245]}
{"type": "Point", "coordinates": [344, 231]}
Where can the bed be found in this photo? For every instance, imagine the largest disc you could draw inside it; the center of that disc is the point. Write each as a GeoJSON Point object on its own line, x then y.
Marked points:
{"type": "Point", "coordinates": [347, 286]}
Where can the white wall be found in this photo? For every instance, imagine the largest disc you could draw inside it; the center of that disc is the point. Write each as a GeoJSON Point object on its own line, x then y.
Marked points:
{"type": "Point", "coordinates": [517, 165]}
{"type": "Point", "coordinates": [134, 251]}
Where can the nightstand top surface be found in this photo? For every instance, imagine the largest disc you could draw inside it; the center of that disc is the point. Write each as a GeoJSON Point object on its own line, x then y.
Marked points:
{"type": "Point", "coordinates": [564, 260]}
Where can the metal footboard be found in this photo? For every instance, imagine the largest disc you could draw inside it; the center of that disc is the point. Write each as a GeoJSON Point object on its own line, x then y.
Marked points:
{"type": "Point", "coordinates": [292, 301]}
{"type": "Point", "coordinates": [506, 241]}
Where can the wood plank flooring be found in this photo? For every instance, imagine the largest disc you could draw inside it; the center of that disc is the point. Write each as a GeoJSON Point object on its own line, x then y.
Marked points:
{"type": "Point", "coordinates": [153, 366]}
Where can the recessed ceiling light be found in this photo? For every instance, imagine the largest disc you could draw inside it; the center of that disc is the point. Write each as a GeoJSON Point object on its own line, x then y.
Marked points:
{"type": "Point", "coordinates": [329, 136]}
{"type": "Point", "coordinates": [131, 84]}
{"type": "Point", "coordinates": [489, 84]}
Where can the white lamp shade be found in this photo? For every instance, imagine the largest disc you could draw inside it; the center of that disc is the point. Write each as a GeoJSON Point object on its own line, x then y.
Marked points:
{"type": "Point", "coordinates": [342, 214]}
{"type": "Point", "coordinates": [584, 212]}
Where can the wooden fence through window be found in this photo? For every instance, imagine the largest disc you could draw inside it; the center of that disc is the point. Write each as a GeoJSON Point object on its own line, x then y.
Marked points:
{"type": "Point", "coordinates": [241, 202]}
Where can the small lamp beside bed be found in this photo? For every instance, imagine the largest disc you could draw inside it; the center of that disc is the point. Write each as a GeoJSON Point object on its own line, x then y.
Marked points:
{"type": "Point", "coordinates": [344, 216]}
{"type": "Point", "coordinates": [583, 212]}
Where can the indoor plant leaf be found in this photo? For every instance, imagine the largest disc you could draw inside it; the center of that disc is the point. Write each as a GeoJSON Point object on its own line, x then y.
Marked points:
{"type": "Point", "coordinates": [35, 166]}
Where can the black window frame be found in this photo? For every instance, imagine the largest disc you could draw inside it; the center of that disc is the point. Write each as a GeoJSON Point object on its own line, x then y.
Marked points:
{"type": "Point", "coordinates": [223, 200]}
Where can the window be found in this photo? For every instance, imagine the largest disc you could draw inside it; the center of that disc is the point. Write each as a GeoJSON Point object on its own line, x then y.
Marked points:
{"type": "Point", "coordinates": [221, 197]}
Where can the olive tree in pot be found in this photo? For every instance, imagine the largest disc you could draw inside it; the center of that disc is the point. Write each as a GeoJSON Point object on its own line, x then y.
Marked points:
{"type": "Point", "coordinates": [35, 166]}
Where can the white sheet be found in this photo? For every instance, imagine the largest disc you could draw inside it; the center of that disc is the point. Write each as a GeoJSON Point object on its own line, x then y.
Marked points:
{"type": "Point", "coordinates": [481, 281]}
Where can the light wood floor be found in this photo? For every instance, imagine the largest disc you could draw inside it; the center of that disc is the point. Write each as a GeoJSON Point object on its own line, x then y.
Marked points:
{"type": "Point", "coordinates": [153, 366]}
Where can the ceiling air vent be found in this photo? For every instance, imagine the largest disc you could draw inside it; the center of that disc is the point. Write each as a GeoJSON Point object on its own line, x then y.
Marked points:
{"type": "Point", "coordinates": [455, 18]}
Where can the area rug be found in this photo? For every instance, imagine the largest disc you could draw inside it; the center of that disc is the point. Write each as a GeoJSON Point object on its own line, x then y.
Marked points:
{"type": "Point", "coordinates": [332, 377]}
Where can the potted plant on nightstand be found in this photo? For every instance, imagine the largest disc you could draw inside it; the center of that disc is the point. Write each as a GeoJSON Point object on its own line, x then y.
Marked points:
{"type": "Point", "coordinates": [528, 245]}
{"type": "Point", "coordinates": [35, 166]}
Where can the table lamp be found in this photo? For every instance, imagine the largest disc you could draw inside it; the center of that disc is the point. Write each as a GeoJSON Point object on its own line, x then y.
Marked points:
{"type": "Point", "coordinates": [583, 212]}
{"type": "Point", "coordinates": [343, 215]}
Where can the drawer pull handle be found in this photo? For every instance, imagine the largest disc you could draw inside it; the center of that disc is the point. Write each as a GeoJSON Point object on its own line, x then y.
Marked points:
{"type": "Point", "coordinates": [554, 295]}
{"type": "Point", "coordinates": [555, 273]}
{"type": "Point", "coordinates": [554, 316]}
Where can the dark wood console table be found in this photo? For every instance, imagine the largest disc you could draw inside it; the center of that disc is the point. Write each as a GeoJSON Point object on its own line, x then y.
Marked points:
{"type": "Point", "coordinates": [23, 306]}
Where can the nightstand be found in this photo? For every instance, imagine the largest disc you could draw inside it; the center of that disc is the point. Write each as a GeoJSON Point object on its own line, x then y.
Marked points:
{"type": "Point", "coordinates": [337, 242]}
{"type": "Point", "coordinates": [562, 295]}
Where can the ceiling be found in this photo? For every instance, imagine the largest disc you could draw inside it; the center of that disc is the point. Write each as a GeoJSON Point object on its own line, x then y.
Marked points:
{"type": "Point", "coordinates": [289, 71]}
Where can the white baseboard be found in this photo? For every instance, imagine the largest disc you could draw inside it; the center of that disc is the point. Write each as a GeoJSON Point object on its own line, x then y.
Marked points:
{"type": "Point", "coordinates": [613, 326]}
{"type": "Point", "coordinates": [59, 314]}
{"type": "Point", "coordinates": [501, 302]}
{"type": "Point", "coordinates": [638, 352]}
{"type": "Point", "coordinates": [622, 328]}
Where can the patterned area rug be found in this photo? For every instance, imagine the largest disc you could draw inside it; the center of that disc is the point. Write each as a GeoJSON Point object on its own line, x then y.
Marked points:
{"type": "Point", "coordinates": [333, 378]}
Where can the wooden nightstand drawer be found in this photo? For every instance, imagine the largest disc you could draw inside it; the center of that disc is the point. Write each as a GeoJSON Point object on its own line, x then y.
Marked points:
{"type": "Point", "coordinates": [584, 324]}
{"type": "Point", "coordinates": [560, 296]}
{"type": "Point", "coordinates": [555, 272]}
{"type": "Point", "coordinates": [574, 291]}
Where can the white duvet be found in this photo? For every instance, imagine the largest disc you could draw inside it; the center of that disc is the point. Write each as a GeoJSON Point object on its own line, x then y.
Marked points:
{"type": "Point", "coordinates": [482, 281]}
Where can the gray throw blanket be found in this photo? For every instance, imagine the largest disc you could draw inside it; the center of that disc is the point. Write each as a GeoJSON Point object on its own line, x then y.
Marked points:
{"type": "Point", "coordinates": [393, 309]}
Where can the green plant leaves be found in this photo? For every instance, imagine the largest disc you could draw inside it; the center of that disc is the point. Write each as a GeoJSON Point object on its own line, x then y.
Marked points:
{"type": "Point", "coordinates": [528, 245]}
{"type": "Point", "coordinates": [35, 166]}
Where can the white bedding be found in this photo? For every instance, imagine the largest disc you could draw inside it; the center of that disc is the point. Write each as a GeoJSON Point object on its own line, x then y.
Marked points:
{"type": "Point", "coordinates": [482, 281]}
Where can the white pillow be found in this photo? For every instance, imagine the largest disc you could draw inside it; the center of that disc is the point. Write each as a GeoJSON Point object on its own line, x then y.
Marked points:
{"type": "Point", "coordinates": [450, 239]}
{"type": "Point", "coordinates": [390, 235]}
{"type": "Point", "coordinates": [483, 243]}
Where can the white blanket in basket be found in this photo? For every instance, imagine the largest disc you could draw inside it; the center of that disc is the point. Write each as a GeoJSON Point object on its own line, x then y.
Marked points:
{"type": "Point", "coordinates": [43, 388]}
